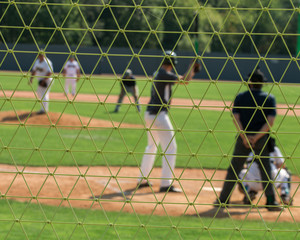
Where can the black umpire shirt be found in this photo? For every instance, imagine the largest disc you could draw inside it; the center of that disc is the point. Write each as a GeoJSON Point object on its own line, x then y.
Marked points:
{"type": "Point", "coordinates": [246, 106]}
{"type": "Point", "coordinates": [161, 91]}
{"type": "Point", "coordinates": [129, 83]}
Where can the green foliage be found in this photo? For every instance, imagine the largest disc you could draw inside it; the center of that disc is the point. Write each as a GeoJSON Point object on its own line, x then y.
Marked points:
{"type": "Point", "coordinates": [155, 24]}
{"type": "Point", "coordinates": [42, 20]}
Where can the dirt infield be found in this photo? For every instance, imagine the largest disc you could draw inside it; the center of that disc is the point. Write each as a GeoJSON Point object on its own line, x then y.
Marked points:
{"type": "Point", "coordinates": [282, 109]}
{"type": "Point", "coordinates": [111, 188]}
{"type": "Point", "coordinates": [59, 119]}
{"type": "Point", "coordinates": [114, 188]}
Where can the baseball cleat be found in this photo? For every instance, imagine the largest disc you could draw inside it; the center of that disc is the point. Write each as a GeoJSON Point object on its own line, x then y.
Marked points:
{"type": "Point", "coordinates": [274, 207]}
{"type": "Point", "coordinates": [41, 112]}
{"type": "Point", "coordinates": [170, 189]}
{"type": "Point", "coordinates": [144, 184]}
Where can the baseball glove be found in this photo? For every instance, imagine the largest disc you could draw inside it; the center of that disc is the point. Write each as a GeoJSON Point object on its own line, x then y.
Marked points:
{"type": "Point", "coordinates": [43, 83]}
{"type": "Point", "coordinates": [197, 66]}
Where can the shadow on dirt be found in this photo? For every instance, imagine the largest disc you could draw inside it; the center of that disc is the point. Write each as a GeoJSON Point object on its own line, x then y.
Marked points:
{"type": "Point", "coordinates": [217, 212]}
{"type": "Point", "coordinates": [126, 194]}
{"type": "Point", "coordinates": [20, 117]}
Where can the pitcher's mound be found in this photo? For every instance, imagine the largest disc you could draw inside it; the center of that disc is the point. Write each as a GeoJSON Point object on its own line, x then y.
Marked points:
{"type": "Point", "coordinates": [59, 120]}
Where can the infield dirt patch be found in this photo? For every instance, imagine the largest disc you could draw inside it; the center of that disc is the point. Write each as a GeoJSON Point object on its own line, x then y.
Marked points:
{"type": "Point", "coordinates": [59, 119]}
{"type": "Point", "coordinates": [203, 104]}
{"type": "Point", "coordinates": [114, 188]}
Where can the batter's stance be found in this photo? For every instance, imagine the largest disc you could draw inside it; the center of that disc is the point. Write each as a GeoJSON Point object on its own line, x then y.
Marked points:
{"type": "Point", "coordinates": [157, 120]}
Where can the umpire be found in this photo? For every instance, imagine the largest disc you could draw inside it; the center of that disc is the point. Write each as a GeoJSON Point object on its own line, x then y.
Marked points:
{"type": "Point", "coordinates": [254, 112]}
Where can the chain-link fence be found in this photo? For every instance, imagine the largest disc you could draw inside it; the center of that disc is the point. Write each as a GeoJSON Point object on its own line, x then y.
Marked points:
{"type": "Point", "coordinates": [72, 143]}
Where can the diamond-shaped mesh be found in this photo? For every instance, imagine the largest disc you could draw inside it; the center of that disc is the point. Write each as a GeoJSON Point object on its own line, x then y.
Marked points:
{"type": "Point", "coordinates": [72, 173]}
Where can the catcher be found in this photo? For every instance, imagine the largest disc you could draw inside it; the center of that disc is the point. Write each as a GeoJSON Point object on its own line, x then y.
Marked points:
{"type": "Point", "coordinates": [157, 120]}
{"type": "Point", "coordinates": [42, 69]}
{"type": "Point", "coordinates": [251, 178]}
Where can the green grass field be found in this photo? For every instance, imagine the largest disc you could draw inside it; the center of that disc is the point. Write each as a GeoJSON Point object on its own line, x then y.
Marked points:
{"type": "Point", "coordinates": [208, 146]}
{"type": "Point", "coordinates": [204, 138]}
{"type": "Point", "coordinates": [195, 135]}
{"type": "Point", "coordinates": [197, 89]}
{"type": "Point", "coordinates": [34, 221]}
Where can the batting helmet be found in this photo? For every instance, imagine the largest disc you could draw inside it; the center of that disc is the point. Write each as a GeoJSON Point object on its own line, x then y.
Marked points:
{"type": "Point", "coordinates": [170, 58]}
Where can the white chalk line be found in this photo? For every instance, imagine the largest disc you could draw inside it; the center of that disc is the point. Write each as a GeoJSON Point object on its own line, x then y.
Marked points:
{"type": "Point", "coordinates": [117, 190]}
{"type": "Point", "coordinates": [104, 182]}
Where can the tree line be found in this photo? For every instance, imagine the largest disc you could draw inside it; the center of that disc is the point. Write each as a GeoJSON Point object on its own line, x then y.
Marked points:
{"type": "Point", "coordinates": [243, 26]}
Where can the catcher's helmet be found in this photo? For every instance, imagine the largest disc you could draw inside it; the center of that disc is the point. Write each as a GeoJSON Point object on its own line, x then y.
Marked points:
{"type": "Point", "coordinates": [128, 73]}
{"type": "Point", "coordinates": [257, 76]}
{"type": "Point", "coordinates": [170, 58]}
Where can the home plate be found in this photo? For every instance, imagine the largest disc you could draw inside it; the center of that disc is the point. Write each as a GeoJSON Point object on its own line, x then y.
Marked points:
{"type": "Point", "coordinates": [209, 189]}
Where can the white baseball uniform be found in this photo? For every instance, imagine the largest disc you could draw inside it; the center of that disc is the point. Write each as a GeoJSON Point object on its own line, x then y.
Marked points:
{"type": "Point", "coordinates": [42, 69]}
{"type": "Point", "coordinates": [252, 175]}
{"type": "Point", "coordinates": [70, 70]}
{"type": "Point", "coordinates": [161, 130]}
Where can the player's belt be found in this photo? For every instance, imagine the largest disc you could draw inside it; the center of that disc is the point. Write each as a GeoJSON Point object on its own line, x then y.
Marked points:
{"type": "Point", "coordinates": [152, 112]}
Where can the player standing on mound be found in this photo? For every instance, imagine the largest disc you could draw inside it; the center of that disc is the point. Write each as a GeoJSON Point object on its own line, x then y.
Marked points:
{"type": "Point", "coordinates": [43, 69]}
{"type": "Point", "coordinates": [161, 131]}
{"type": "Point", "coordinates": [72, 74]}
{"type": "Point", "coordinates": [128, 85]}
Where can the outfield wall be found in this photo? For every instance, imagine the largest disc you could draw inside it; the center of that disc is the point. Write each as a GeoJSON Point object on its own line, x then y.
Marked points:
{"type": "Point", "coordinates": [282, 67]}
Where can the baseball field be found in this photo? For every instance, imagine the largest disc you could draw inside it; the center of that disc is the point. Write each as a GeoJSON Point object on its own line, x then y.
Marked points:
{"type": "Point", "coordinates": [72, 174]}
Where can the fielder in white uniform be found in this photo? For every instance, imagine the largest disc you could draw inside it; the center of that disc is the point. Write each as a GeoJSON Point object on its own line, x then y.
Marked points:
{"type": "Point", "coordinates": [161, 131]}
{"type": "Point", "coordinates": [252, 179]}
{"type": "Point", "coordinates": [42, 70]}
{"type": "Point", "coordinates": [72, 74]}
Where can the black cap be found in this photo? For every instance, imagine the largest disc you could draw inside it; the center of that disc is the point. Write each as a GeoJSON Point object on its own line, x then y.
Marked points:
{"type": "Point", "coordinates": [256, 76]}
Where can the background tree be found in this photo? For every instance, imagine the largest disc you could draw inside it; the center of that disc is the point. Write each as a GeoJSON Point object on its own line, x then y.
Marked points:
{"type": "Point", "coordinates": [121, 24]}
